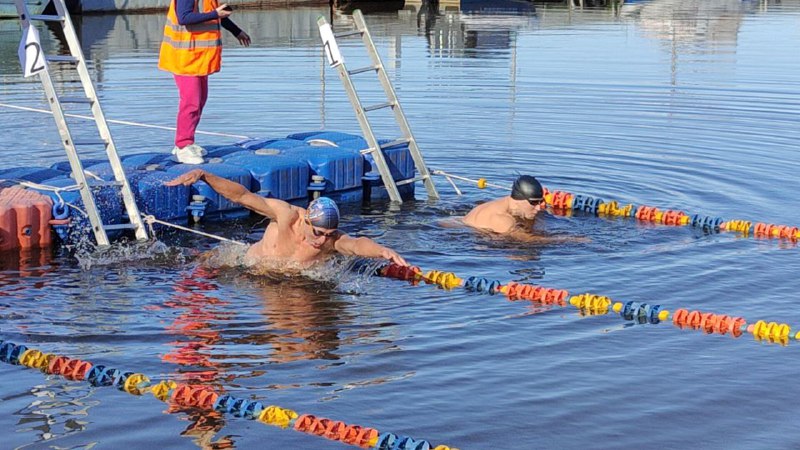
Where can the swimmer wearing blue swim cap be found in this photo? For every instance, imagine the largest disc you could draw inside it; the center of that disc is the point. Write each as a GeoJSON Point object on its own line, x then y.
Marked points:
{"type": "Point", "coordinates": [510, 213]}
{"type": "Point", "coordinates": [295, 238]}
{"type": "Point", "coordinates": [323, 213]}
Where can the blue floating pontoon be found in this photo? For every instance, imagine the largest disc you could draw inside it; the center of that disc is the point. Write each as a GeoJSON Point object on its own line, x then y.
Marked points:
{"type": "Point", "coordinates": [295, 169]}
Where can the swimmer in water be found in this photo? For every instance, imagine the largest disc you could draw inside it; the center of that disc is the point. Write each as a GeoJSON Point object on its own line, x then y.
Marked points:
{"type": "Point", "coordinates": [511, 213]}
{"type": "Point", "coordinates": [296, 238]}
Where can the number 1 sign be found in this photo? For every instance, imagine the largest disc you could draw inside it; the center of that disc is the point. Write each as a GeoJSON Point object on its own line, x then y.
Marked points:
{"type": "Point", "coordinates": [329, 42]}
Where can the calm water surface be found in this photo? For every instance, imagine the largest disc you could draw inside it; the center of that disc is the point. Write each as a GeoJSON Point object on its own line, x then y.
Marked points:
{"type": "Point", "coordinates": [685, 104]}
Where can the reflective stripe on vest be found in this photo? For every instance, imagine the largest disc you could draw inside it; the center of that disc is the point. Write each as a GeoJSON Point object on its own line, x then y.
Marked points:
{"type": "Point", "coordinates": [194, 50]}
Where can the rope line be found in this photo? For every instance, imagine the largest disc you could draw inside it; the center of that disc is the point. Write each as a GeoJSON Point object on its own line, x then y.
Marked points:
{"type": "Point", "coordinates": [206, 398]}
{"type": "Point", "coordinates": [591, 304]}
{"type": "Point", "coordinates": [122, 122]}
{"type": "Point", "coordinates": [481, 182]}
{"type": "Point", "coordinates": [563, 203]}
{"type": "Point", "coordinates": [150, 220]}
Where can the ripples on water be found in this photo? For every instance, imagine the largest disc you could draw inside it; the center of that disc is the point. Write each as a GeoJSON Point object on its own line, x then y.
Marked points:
{"type": "Point", "coordinates": [682, 104]}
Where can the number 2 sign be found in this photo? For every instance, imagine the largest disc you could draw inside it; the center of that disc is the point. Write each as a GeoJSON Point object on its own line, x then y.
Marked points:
{"type": "Point", "coordinates": [30, 52]}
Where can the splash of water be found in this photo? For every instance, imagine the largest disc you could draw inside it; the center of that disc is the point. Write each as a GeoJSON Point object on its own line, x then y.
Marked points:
{"type": "Point", "coordinates": [153, 251]}
{"type": "Point", "coordinates": [345, 274]}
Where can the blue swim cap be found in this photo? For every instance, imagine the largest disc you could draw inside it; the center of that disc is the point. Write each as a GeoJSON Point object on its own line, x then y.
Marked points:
{"type": "Point", "coordinates": [323, 213]}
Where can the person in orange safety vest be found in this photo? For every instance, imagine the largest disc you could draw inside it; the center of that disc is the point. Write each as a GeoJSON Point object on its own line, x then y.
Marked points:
{"type": "Point", "coordinates": [192, 50]}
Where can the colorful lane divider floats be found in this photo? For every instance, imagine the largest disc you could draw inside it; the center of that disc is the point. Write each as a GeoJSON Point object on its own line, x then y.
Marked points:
{"type": "Point", "coordinates": [205, 398]}
{"type": "Point", "coordinates": [592, 304]}
{"type": "Point", "coordinates": [563, 202]}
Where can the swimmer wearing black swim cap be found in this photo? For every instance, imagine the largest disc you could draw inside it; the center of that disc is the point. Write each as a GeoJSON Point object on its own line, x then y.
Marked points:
{"type": "Point", "coordinates": [527, 188]}
{"type": "Point", "coordinates": [507, 214]}
{"type": "Point", "coordinates": [295, 238]}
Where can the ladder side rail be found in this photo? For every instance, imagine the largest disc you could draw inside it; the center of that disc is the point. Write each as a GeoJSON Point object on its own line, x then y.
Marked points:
{"type": "Point", "coordinates": [397, 109]}
{"type": "Point", "coordinates": [66, 140]}
{"type": "Point", "coordinates": [102, 125]}
{"type": "Point", "coordinates": [366, 129]}
{"type": "Point", "coordinates": [369, 135]}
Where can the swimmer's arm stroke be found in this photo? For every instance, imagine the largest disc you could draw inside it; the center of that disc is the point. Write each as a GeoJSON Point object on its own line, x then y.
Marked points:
{"type": "Point", "coordinates": [366, 247]}
{"type": "Point", "coordinates": [235, 192]}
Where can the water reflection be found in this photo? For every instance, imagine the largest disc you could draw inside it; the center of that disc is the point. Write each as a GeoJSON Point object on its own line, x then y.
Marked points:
{"type": "Point", "coordinates": [59, 409]}
{"type": "Point", "coordinates": [23, 263]}
{"type": "Point", "coordinates": [196, 331]}
{"type": "Point", "coordinates": [304, 320]}
{"type": "Point", "coordinates": [195, 326]}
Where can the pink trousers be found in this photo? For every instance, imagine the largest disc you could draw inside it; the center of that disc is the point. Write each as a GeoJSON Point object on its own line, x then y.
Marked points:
{"type": "Point", "coordinates": [193, 91]}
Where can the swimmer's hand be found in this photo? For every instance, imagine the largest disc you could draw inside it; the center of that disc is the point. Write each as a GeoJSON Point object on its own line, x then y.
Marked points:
{"type": "Point", "coordinates": [392, 256]}
{"type": "Point", "coordinates": [187, 179]}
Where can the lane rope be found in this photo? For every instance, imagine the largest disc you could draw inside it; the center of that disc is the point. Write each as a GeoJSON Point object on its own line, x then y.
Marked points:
{"type": "Point", "coordinates": [592, 304]}
{"type": "Point", "coordinates": [207, 399]}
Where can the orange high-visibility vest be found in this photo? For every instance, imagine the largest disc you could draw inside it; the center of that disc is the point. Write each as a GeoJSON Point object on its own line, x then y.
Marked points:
{"type": "Point", "coordinates": [191, 49]}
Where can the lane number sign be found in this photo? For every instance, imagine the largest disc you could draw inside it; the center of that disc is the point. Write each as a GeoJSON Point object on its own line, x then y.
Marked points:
{"type": "Point", "coordinates": [30, 52]}
{"type": "Point", "coordinates": [329, 43]}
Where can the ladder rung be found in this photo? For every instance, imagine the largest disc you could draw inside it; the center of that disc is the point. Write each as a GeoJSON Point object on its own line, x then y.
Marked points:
{"type": "Point", "coordinates": [362, 70]}
{"type": "Point", "coordinates": [75, 100]}
{"type": "Point", "coordinates": [412, 180]}
{"type": "Point", "coordinates": [47, 18]}
{"type": "Point", "coordinates": [395, 142]}
{"type": "Point", "coordinates": [91, 142]}
{"type": "Point", "coordinates": [347, 33]}
{"type": "Point", "coordinates": [121, 226]}
{"type": "Point", "coordinates": [100, 184]}
{"type": "Point", "coordinates": [379, 106]}
{"type": "Point", "coordinates": [61, 58]}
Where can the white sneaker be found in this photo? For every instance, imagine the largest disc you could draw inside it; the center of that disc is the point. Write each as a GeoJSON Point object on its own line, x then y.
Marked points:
{"type": "Point", "coordinates": [185, 155]}
{"type": "Point", "coordinates": [197, 149]}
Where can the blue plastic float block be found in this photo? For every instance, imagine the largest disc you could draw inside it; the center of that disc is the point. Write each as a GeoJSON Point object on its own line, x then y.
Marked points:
{"type": "Point", "coordinates": [401, 166]}
{"type": "Point", "coordinates": [302, 136]}
{"type": "Point", "coordinates": [163, 202]}
{"type": "Point", "coordinates": [216, 202]}
{"type": "Point", "coordinates": [349, 196]}
{"type": "Point", "coordinates": [107, 199]}
{"type": "Point", "coordinates": [143, 160]}
{"type": "Point", "coordinates": [104, 171]}
{"type": "Point", "coordinates": [219, 151]}
{"type": "Point", "coordinates": [273, 144]}
{"type": "Point", "coordinates": [379, 192]}
{"type": "Point", "coordinates": [344, 140]}
{"type": "Point", "coordinates": [32, 174]}
{"type": "Point", "coordinates": [342, 168]}
{"type": "Point", "coordinates": [64, 166]}
{"type": "Point", "coordinates": [274, 175]}
{"type": "Point", "coordinates": [399, 159]}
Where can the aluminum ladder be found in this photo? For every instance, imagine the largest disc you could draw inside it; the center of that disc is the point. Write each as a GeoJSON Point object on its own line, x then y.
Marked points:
{"type": "Point", "coordinates": [76, 60]}
{"type": "Point", "coordinates": [335, 60]}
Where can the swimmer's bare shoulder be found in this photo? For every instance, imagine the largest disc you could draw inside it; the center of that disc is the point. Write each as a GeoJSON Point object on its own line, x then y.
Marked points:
{"type": "Point", "coordinates": [452, 222]}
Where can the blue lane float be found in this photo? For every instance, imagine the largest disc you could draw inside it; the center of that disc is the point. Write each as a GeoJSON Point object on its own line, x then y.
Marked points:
{"type": "Point", "coordinates": [294, 169]}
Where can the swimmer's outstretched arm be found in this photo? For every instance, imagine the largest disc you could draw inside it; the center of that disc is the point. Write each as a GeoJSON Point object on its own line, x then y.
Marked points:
{"type": "Point", "coordinates": [235, 192]}
{"type": "Point", "coordinates": [366, 247]}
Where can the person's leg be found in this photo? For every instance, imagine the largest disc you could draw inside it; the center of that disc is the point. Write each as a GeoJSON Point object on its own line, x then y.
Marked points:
{"type": "Point", "coordinates": [190, 107]}
{"type": "Point", "coordinates": [203, 92]}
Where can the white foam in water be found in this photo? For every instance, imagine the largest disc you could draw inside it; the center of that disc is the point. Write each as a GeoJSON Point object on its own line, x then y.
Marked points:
{"type": "Point", "coordinates": [156, 251]}
{"type": "Point", "coordinates": [347, 274]}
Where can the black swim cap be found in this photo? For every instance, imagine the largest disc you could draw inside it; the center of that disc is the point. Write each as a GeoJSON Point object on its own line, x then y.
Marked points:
{"type": "Point", "coordinates": [527, 187]}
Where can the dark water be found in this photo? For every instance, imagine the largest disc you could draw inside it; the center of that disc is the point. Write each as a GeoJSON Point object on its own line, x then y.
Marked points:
{"type": "Point", "coordinates": [692, 105]}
